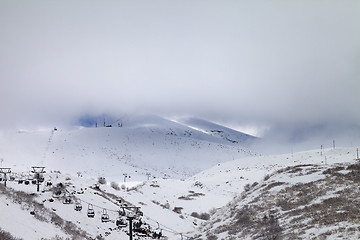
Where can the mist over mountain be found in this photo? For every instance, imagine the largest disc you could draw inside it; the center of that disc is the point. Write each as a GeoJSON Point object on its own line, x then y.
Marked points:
{"type": "Point", "coordinates": [179, 109]}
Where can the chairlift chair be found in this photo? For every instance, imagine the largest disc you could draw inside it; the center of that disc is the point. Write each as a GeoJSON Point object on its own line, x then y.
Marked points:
{"type": "Point", "coordinates": [139, 213]}
{"type": "Point", "coordinates": [67, 200]}
{"type": "Point", "coordinates": [122, 212]}
{"type": "Point", "coordinates": [56, 194]}
{"type": "Point", "coordinates": [157, 235]}
{"type": "Point", "coordinates": [105, 216]}
{"type": "Point", "coordinates": [36, 175]}
{"type": "Point", "coordinates": [78, 205]}
{"type": "Point", "coordinates": [90, 212]}
{"type": "Point", "coordinates": [120, 222]}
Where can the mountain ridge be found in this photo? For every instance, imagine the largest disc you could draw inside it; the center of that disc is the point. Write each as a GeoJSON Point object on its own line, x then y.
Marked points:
{"type": "Point", "coordinates": [135, 145]}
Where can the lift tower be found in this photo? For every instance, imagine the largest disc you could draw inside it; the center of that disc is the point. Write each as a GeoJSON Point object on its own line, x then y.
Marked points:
{"type": "Point", "coordinates": [5, 171]}
{"type": "Point", "coordinates": [38, 171]}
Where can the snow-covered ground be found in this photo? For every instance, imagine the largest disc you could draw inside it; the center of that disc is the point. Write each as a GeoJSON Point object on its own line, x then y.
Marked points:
{"type": "Point", "coordinates": [167, 204]}
{"type": "Point", "coordinates": [142, 147]}
{"type": "Point", "coordinates": [306, 195]}
{"type": "Point", "coordinates": [179, 174]}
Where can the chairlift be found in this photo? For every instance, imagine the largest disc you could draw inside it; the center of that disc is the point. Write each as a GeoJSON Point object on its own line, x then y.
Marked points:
{"type": "Point", "coordinates": [67, 200]}
{"type": "Point", "coordinates": [33, 181]}
{"type": "Point", "coordinates": [56, 193]}
{"type": "Point", "coordinates": [105, 216]}
{"type": "Point", "coordinates": [139, 213]}
{"type": "Point", "coordinates": [140, 229]}
{"type": "Point", "coordinates": [20, 181]}
{"type": "Point", "coordinates": [122, 212]}
{"type": "Point", "coordinates": [157, 235]}
{"type": "Point", "coordinates": [78, 205]}
{"type": "Point", "coordinates": [121, 222]}
{"type": "Point", "coordinates": [90, 212]}
{"type": "Point", "coordinates": [137, 224]}
{"type": "Point", "coordinates": [27, 182]}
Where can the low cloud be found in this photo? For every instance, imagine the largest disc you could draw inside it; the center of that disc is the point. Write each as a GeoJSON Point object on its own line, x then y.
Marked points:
{"type": "Point", "coordinates": [285, 66]}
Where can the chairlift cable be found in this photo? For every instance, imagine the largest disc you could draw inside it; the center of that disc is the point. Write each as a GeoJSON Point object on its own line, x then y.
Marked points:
{"type": "Point", "coordinates": [107, 209]}
{"type": "Point", "coordinates": [168, 229]}
{"type": "Point", "coordinates": [157, 226]}
{"type": "Point", "coordinates": [164, 228]}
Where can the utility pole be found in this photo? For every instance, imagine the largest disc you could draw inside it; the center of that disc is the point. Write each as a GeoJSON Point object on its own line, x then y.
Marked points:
{"type": "Point", "coordinates": [334, 144]}
{"type": "Point", "coordinates": [38, 171]}
{"type": "Point", "coordinates": [5, 171]}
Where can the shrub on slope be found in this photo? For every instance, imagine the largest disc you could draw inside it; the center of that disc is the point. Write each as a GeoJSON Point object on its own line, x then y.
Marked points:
{"type": "Point", "coordinates": [308, 201]}
{"type": "Point", "coordinates": [27, 203]}
{"type": "Point", "coordinates": [6, 235]}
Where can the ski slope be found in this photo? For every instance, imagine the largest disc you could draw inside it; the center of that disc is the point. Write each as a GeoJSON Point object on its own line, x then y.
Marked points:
{"type": "Point", "coordinates": [143, 146]}
{"type": "Point", "coordinates": [171, 206]}
{"type": "Point", "coordinates": [178, 173]}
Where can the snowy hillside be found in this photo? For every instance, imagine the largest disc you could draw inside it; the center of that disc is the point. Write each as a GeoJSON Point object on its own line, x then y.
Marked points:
{"type": "Point", "coordinates": [307, 201]}
{"type": "Point", "coordinates": [189, 208]}
{"type": "Point", "coordinates": [218, 131]}
{"type": "Point", "coordinates": [138, 147]}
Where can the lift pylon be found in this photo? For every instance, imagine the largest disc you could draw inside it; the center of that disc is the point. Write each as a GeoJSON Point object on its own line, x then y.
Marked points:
{"type": "Point", "coordinates": [5, 171]}
{"type": "Point", "coordinates": [38, 171]}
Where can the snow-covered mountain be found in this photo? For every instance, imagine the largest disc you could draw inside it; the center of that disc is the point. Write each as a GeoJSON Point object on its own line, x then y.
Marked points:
{"type": "Point", "coordinates": [133, 146]}
{"type": "Point", "coordinates": [197, 207]}
{"type": "Point", "coordinates": [218, 131]}
{"type": "Point", "coordinates": [189, 179]}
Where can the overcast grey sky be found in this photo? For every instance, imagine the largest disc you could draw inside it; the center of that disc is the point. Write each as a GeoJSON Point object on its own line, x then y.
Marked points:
{"type": "Point", "coordinates": [267, 64]}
